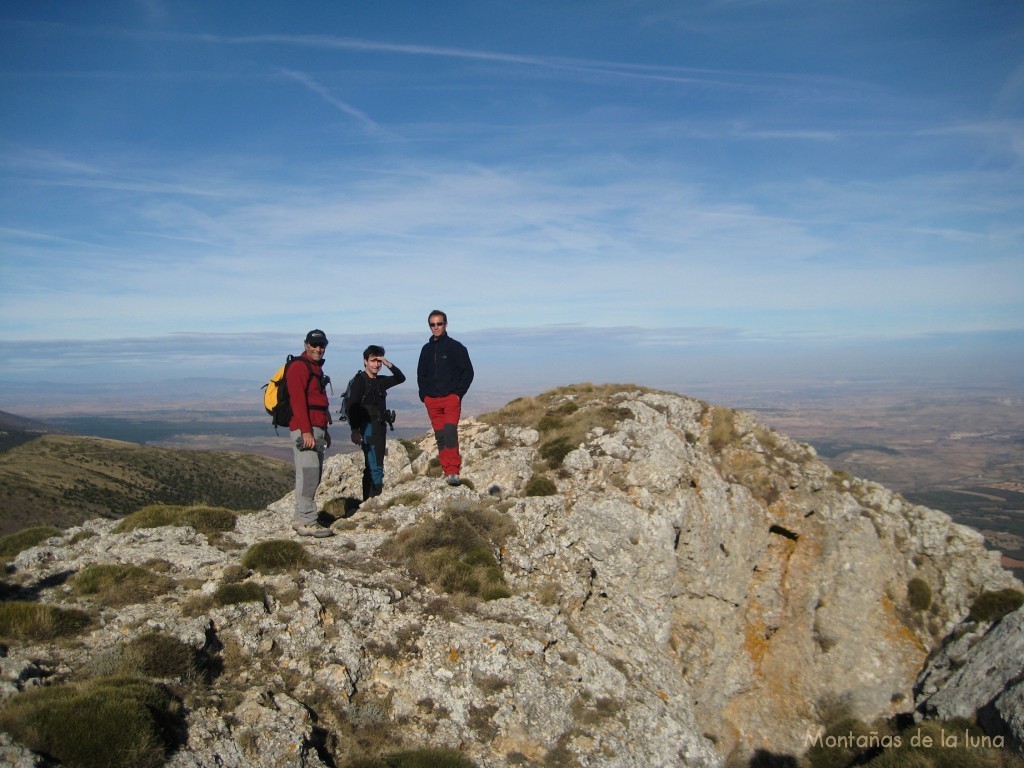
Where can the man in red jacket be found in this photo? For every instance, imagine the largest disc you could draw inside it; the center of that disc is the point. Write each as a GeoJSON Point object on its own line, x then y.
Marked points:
{"type": "Point", "coordinates": [307, 390]}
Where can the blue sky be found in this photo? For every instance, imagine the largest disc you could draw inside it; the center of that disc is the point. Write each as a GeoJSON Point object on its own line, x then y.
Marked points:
{"type": "Point", "coordinates": [590, 189]}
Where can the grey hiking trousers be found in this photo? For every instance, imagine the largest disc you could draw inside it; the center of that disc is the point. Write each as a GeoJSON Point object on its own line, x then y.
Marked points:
{"type": "Point", "coordinates": [309, 467]}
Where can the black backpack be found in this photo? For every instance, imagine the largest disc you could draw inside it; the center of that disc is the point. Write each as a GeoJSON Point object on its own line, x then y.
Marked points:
{"type": "Point", "coordinates": [346, 399]}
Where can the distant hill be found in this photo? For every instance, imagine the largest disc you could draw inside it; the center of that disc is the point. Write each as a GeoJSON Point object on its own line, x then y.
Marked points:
{"type": "Point", "coordinates": [15, 430]}
{"type": "Point", "coordinates": [63, 480]}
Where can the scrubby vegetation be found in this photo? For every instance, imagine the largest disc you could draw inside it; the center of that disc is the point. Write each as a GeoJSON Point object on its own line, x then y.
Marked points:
{"type": "Point", "coordinates": [564, 416]}
{"type": "Point", "coordinates": [457, 553]}
{"type": "Point", "coordinates": [106, 722]}
{"type": "Point", "coordinates": [151, 655]}
{"type": "Point", "coordinates": [992, 606]}
{"type": "Point", "coordinates": [919, 594]}
{"type": "Point", "coordinates": [540, 485]}
{"type": "Point", "coordinates": [22, 620]}
{"type": "Point", "coordinates": [421, 758]}
{"type": "Point", "coordinates": [15, 543]}
{"type": "Point", "coordinates": [208, 520]}
{"type": "Point", "coordinates": [932, 744]}
{"type": "Point", "coordinates": [110, 478]}
{"type": "Point", "coordinates": [244, 592]}
{"type": "Point", "coordinates": [117, 584]}
{"type": "Point", "coordinates": [275, 556]}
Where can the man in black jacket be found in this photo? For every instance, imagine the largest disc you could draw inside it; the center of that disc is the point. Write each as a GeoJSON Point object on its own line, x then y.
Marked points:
{"type": "Point", "coordinates": [367, 414]}
{"type": "Point", "coordinates": [444, 374]}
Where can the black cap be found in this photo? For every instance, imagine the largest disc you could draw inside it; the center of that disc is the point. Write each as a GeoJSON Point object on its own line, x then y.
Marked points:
{"type": "Point", "coordinates": [316, 338]}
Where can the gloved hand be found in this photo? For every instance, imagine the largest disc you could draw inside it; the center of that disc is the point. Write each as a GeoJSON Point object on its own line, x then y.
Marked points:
{"type": "Point", "coordinates": [357, 437]}
{"type": "Point", "coordinates": [327, 438]}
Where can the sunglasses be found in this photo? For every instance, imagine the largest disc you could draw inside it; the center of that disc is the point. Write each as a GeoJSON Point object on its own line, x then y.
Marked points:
{"type": "Point", "coordinates": [437, 325]}
{"type": "Point", "coordinates": [318, 346]}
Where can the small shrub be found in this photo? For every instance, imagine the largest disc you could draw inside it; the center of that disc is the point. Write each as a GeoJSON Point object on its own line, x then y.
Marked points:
{"type": "Point", "coordinates": [554, 451]}
{"type": "Point", "coordinates": [405, 500]}
{"type": "Point", "coordinates": [456, 553]}
{"type": "Point", "coordinates": [992, 606]}
{"type": "Point", "coordinates": [919, 594]}
{"type": "Point", "coordinates": [944, 744]}
{"type": "Point", "coordinates": [723, 429]}
{"type": "Point", "coordinates": [14, 544]}
{"type": "Point", "coordinates": [206, 520]}
{"type": "Point", "coordinates": [117, 584]}
{"type": "Point", "coordinates": [540, 485]}
{"type": "Point", "coordinates": [411, 448]}
{"type": "Point", "coordinates": [417, 758]}
{"type": "Point", "coordinates": [156, 654]}
{"type": "Point", "coordinates": [24, 620]}
{"type": "Point", "coordinates": [275, 556]}
{"type": "Point", "coordinates": [111, 722]}
{"type": "Point", "coordinates": [239, 592]}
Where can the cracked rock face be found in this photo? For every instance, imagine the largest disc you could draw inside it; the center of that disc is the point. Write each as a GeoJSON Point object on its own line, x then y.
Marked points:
{"type": "Point", "coordinates": [697, 587]}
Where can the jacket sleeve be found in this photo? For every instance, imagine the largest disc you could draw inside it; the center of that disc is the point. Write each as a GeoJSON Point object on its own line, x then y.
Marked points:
{"type": "Point", "coordinates": [421, 372]}
{"type": "Point", "coordinates": [297, 377]}
{"type": "Point", "coordinates": [396, 378]}
{"type": "Point", "coordinates": [465, 373]}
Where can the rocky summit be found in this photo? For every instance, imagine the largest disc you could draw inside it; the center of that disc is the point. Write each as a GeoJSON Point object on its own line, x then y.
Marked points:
{"type": "Point", "coordinates": [649, 580]}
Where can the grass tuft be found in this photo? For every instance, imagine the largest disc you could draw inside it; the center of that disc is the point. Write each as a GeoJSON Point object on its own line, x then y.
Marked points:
{"type": "Point", "coordinates": [110, 722]}
{"type": "Point", "coordinates": [206, 520]}
{"type": "Point", "coordinates": [14, 544]}
{"type": "Point", "coordinates": [243, 592]}
{"type": "Point", "coordinates": [540, 485]}
{"type": "Point", "coordinates": [456, 554]}
{"type": "Point", "coordinates": [919, 594]}
{"type": "Point", "coordinates": [276, 556]}
{"type": "Point", "coordinates": [117, 584]}
{"type": "Point", "coordinates": [992, 606]}
{"type": "Point", "coordinates": [417, 758]}
{"type": "Point", "coordinates": [23, 620]}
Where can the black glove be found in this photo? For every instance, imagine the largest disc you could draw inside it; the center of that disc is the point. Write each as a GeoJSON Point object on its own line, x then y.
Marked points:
{"type": "Point", "coordinates": [357, 437]}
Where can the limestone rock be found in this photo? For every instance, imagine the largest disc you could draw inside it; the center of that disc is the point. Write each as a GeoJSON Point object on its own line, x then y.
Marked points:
{"type": "Point", "coordinates": [699, 587]}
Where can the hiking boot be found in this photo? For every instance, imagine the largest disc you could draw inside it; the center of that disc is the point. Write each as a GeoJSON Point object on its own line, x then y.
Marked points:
{"type": "Point", "coordinates": [315, 529]}
{"type": "Point", "coordinates": [452, 479]}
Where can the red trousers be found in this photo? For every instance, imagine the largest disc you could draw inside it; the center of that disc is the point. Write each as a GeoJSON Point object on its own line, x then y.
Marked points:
{"type": "Point", "coordinates": [444, 413]}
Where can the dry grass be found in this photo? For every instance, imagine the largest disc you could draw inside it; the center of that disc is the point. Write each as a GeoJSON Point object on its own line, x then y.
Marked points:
{"type": "Point", "coordinates": [116, 584]}
{"type": "Point", "coordinates": [456, 554]}
{"type": "Point", "coordinates": [565, 416]}
{"type": "Point", "coordinates": [207, 520]}
{"type": "Point", "coordinates": [22, 620]}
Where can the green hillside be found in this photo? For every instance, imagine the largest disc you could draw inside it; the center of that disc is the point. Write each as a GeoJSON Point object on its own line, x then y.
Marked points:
{"type": "Point", "coordinates": [63, 480]}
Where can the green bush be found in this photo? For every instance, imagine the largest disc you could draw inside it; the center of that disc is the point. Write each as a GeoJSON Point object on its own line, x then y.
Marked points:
{"type": "Point", "coordinates": [111, 722]}
{"type": "Point", "coordinates": [418, 758]}
{"type": "Point", "coordinates": [944, 744]}
{"type": "Point", "coordinates": [206, 520]}
{"type": "Point", "coordinates": [156, 654]}
{"type": "Point", "coordinates": [992, 606]}
{"type": "Point", "coordinates": [540, 485]}
{"type": "Point", "coordinates": [117, 584]}
{"type": "Point", "coordinates": [275, 556]}
{"type": "Point", "coordinates": [244, 592]}
{"type": "Point", "coordinates": [23, 620]}
{"type": "Point", "coordinates": [405, 500]}
{"type": "Point", "coordinates": [919, 594]}
{"type": "Point", "coordinates": [554, 451]}
{"type": "Point", "coordinates": [15, 543]}
{"type": "Point", "coordinates": [456, 553]}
